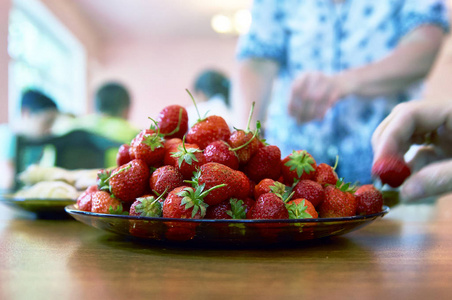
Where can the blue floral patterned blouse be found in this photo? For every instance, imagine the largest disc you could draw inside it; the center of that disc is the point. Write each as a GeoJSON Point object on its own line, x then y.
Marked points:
{"type": "Point", "coordinates": [308, 35]}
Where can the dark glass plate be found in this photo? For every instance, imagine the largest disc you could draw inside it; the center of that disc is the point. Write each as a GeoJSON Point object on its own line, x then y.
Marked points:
{"type": "Point", "coordinates": [232, 232]}
{"type": "Point", "coordinates": [42, 207]}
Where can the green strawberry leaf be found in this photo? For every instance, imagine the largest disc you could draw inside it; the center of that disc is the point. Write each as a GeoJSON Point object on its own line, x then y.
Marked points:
{"type": "Point", "coordinates": [118, 211]}
{"type": "Point", "coordinates": [238, 209]}
{"type": "Point", "coordinates": [298, 211]}
{"type": "Point", "coordinates": [301, 162]}
{"type": "Point", "coordinates": [149, 207]}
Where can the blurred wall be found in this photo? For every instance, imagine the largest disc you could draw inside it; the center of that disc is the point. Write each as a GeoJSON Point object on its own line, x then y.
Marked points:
{"type": "Point", "coordinates": [158, 72]}
{"type": "Point", "coordinates": [4, 59]}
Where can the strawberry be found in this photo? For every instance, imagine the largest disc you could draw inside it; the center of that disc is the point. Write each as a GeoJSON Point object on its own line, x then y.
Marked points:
{"type": "Point", "coordinates": [213, 174]}
{"type": "Point", "coordinates": [210, 129]}
{"type": "Point", "coordinates": [172, 148]}
{"type": "Point", "coordinates": [123, 155]}
{"type": "Point", "coordinates": [269, 206]}
{"type": "Point", "coordinates": [173, 121]}
{"type": "Point", "coordinates": [391, 170]}
{"type": "Point", "coordinates": [228, 209]}
{"type": "Point", "coordinates": [105, 203]}
{"type": "Point", "coordinates": [186, 202]}
{"type": "Point", "coordinates": [221, 152]}
{"type": "Point", "coordinates": [325, 174]}
{"type": "Point", "coordinates": [148, 146]}
{"type": "Point", "coordinates": [170, 142]}
{"type": "Point", "coordinates": [309, 190]}
{"type": "Point", "coordinates": [84, 201]}
{"type": "Point", "coordinates": [301, 208]}
{"type": "Point", "coordinates": [188, 159]}
{"type": "Point", "coordinates": [129, 181]}
{"type": "Point", "coordinates": [339, 201]}
{"type": "Point", "coordinates": [207, 130]}
{"type": "Point", "coordinates": [246, 187]}
{"type": "Point", "coordinates": [147, 206]}
{"type": "Point", "coordinates": [297, 166]}
{"type": "Point", "coordinates": [369, 200]}
{"type": "Point", "coordinates": [266, 163]}
{"type": "Point", "coordinates": [245, 141]}
{"type": "Point", "coordinates": [263, 187]}
{"type": "Point", "coordinates": [239, 138]}
{"type": "Point", "coordinates": [165, 179]}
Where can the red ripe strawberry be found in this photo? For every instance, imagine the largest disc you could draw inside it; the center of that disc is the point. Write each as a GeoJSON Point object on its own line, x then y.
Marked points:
{"type": "Point", "coordinates": [212, 128]}
{"type": "Point", "coordinates": [173, 121]}
{"type": "Point", "coordinates": [165, 179]}
{"type": "Point", "coordinates": [264, 186]}
{"type": "Point", "coordinates": [123, 155]}
{"type": "Point", "coordinates": [84, 201]}
{"type": "Point", "coordinates": [339, 201]}
{"type": "Point", "coordinates": [146, 206]}
{"type": "Point", "coordinates": [239, 138]}
{"type": "Point", "coordinates": [188, 159]}
{"type": "Point", "coordinates": [130, 180]}
{"type": "Point", "coordinates": [214, 174]}
{"type": "Point", "coordinates": [103, 202]}
{"type": "Point", "coordinates": [246, 187]}
{"type": "Point", "coordinates": [220, 152]}
{"type": "Point", "coordinates": [185, 202]}
{"type": "Point", "coordinates": [297, 166]}
{"type": "Point", "coordinates": [228, 209]}
{"type": "Point", "coordinates": [309, 190]}
{"type": "Point", "coordinates": [325, 174]}
{"type": "Point", "coordinates": [172, 148]}
{"type": "Point", "coordinates": [391, 170]}
{"type": "Point", "coordinates": [266, 163]}
{"type": "Point", "coordinates": [269, 206]}
{"type": "Point", "coordinates": [148, 146]}
{"type": "Point", "coordinates": [369, 199]}
{"type": "Point", "coordinates": [301, 208]}
{"type": "Point", "coordinates": [168, 144]}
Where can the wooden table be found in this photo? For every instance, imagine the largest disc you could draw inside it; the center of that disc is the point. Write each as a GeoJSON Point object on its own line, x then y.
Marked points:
{"type": "Point", "coordinates": [405, 255]}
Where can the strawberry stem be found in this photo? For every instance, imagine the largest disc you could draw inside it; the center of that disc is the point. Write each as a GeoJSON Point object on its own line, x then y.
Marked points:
{"type": "Point", "coordinates": [256, 132]}
{"type": "Point", "coordinates": [178, 124]}
{"type": "Point", "coordinates": [194, 102]}
{"type": "Point", "coordinates": [250, 116]}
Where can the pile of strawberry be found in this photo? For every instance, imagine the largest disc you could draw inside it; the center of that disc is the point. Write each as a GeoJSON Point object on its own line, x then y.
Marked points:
{"type": "Point", "coordinates": [207, 171]}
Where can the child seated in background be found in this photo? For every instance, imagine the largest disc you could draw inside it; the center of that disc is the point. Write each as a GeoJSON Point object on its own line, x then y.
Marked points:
{"type": "Point", "coordinates": [38, 112]}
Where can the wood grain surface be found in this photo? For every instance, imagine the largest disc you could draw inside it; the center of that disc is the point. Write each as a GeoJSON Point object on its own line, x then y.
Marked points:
{"type": "Point", "coordinates": [405, 255]}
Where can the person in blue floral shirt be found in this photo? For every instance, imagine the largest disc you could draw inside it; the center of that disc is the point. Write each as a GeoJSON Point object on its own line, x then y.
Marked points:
{"type": "Point", "coordinates": [325, 73]}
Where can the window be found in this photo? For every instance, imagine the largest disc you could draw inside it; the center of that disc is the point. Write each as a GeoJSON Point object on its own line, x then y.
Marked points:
{"type": "Point", "coordinates": [45, 55]}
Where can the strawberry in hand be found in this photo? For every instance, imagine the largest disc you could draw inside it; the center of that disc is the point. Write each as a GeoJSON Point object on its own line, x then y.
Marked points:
{"type": "Point", "coordinates": [391, 170]}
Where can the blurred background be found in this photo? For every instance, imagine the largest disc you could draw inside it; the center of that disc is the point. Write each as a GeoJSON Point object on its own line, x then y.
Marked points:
{"type": "Point", "coordinates": [68, 48]}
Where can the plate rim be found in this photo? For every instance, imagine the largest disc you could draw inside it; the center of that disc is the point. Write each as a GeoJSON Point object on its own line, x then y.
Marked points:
{"type": "Point", "coordinates": [70, 209]}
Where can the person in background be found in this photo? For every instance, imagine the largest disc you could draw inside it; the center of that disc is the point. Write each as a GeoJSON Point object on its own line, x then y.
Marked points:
{"type": "Point", "coordinates": [211, 92]}
{"type": "Point", "coordinates": [324, 74]}
{"type": "Point", "coordinates": [427, 123]}
{"type": "Point", "coordinates": [112, 104]}
{"type": "Point", "coordinates": [38, 112]}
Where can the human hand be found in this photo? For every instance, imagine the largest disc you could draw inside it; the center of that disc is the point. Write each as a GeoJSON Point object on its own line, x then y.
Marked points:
{"type": "Point", "coordinates": [313, 93]}
{"type": "Point", "coordinates": [420, 122]}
